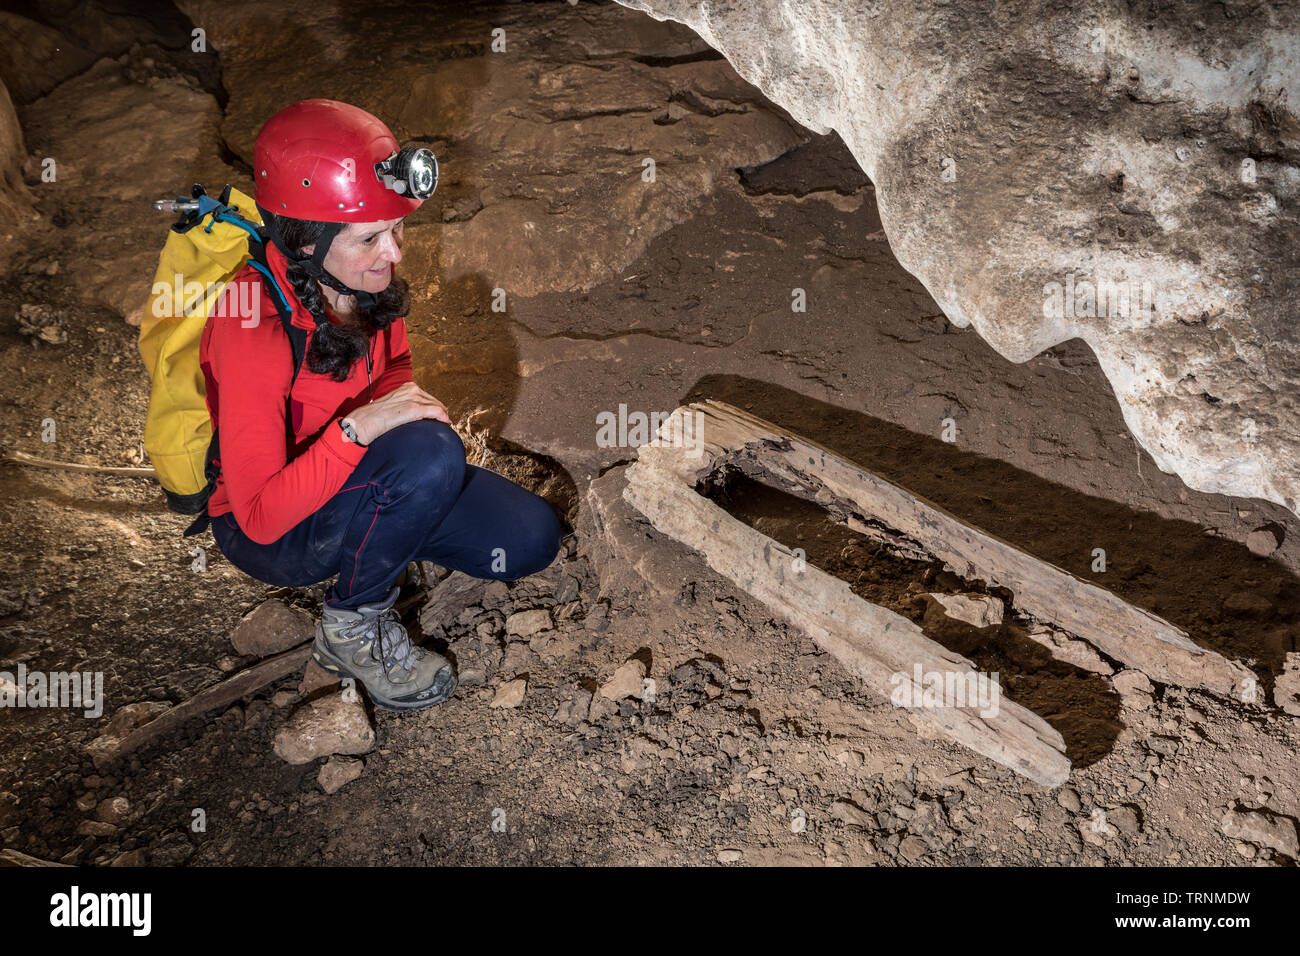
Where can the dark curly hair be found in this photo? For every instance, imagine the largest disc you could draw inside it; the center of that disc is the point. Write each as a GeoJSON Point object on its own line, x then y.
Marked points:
{"type": "Point", "coordinates": [334, 348]}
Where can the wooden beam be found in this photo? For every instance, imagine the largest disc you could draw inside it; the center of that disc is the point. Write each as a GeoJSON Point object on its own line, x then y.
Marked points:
{"type": "Point", "coordinates": [883, 648]}
{"type": "Point", "coordinates": [22, 458]}
{"type": "Point", "coordinates": [227, 692]}
{"type": "Point", "coordinates": [1128, 634]}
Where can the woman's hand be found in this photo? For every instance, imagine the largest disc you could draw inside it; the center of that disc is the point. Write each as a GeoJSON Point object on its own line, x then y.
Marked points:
{"type": "Point", "coordinates": [406, 403]}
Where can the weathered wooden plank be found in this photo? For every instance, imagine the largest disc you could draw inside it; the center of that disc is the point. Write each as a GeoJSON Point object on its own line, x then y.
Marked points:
{"type": "Point", "coordinates": [227, 692]}
{"type": "Point", "coordinates": [1129, 634]}
{"type": "Point", "coordinates": [883, 648]}
{"type": "Point", "coordinates": [447, 598]}
{"type": "Point", "coordinates": [22, 458]}
{"type": "Point", "coordinates": [17, 858]}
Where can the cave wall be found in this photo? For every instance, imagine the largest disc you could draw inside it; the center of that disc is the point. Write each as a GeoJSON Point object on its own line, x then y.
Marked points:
{"type": "Point", "coordinates": [15, 199]}
{"type": "Point", "coordinates": [1029, 156]}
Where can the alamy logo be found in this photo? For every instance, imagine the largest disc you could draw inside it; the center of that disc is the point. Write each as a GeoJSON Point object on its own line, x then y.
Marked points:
{"type": "Point", "coordinates": [1100, 299]}
{"type": "Point", "coordinates": [634, 429]}
{"type": "Point", "coordinates": [181, 298]}
{"type": "Point", "coordinates": [75, 689]}
{"type": "Point", "coordinates": [73, 909]}
{"type": "Point", "coordinates": [924, 690]}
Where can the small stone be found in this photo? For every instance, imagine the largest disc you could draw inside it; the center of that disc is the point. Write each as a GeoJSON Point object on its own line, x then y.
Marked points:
{"type": "Point", "coordinates": [86, 802]}
{"type": "Point", "coordinates": [283, 698]}
{"type": "Point", "coordinates": [912, 848]}
{"type": "Point", "coordinates": [113, 811]}
{"type": "Point", "coordinates": [510, 694]}
{"type": "Point", "coordinates": [1265, 829]}
{"type": "Point", "coordinates": [337, 772]}
{"type": "Point", "coordinates": [851, 759]}
{"type": "Point", "coordinates": [977, 610]}
{"type": "Point", "coordinates": [1095, 830]}
{"type": "Point", "coordinates": [1064, 648]}
{"type": "Point", "coordinates": [1286, 691]}
{"type": "Point", "coordinates": [314, 677]}
{"type": "Point", "coordinates": [1134, 689]}
{"type": "Point", "coordinates": [1164, 746]}
{"type": "Point", "coordinates": [129, 858]}
{"type": "Point", "coordinates": [518, 659]}
{"type": "Point", "coordinates": [95, 828]}
{"type": "Point", "coordinates": [270, 628]}
{"type": "Point", "coordinates": [333, 724]}
{"type": "Point", "coordinates": [472, 677]}
{"type": "Point", "coordinates": [527, 623]}
{"type": "Point", "coordinates": [626, 681]}
{"type": "Point", "coordinates": [851, 814]}
{"type": "Point", "coordinates": [574, 710]}
{"type": "Point", "coordinates": [730, 856]}
{"type": "Point", "coordinates": [1068, 798]}
{"type": "Point", "coordinates": [1125, 819]}
{"type": "Point", "coordinates": [1262, 542]}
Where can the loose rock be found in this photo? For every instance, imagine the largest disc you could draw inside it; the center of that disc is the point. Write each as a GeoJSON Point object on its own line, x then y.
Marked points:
{"type": "Point", "coordinates": [626, 681]}
{"type": "Point", "coordinates": [1286, 691]}
{"type": "Point", "coordinates": [270, 628]}
{"type": "Point", "coordinates": [113, 811]}
{"type": "Point", "coordinates": [329, 725]}
{"type": "Point", "coordinates": [1262, 542]}
{"type": "Point", "coordinates": [528, 623]}
{"type": "Point", "coordinates": [510, 694]}
{"type": "Point", "coordinates": [1134, 689]}
{"type": "Point", "coordinates": [977, 610]}
{"type": "Point", "coordinates": [337, 772]}
{"type": "Point", "coordinates": [1263, 828]}
{"type": "Point", "coordinates": [1064, 648]}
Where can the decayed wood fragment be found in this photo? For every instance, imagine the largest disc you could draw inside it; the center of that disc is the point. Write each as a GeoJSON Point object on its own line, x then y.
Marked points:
{"type": "Point", "coordinates": [13, 857]}
{"type": "Point", "coordinates": [447, 598]}
{"type": "Point", "coordinates": [1135, 637]}
{"type": "Point", "coordinates": [873, 642]}
{"type": "Point", "coordinates": [22, 458]}
{"type": "Point", "coordinates": [227, 692]}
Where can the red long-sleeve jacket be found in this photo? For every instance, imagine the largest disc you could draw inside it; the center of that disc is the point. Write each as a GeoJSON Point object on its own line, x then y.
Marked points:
{"type": "Point", "coordinates": [271, 481]}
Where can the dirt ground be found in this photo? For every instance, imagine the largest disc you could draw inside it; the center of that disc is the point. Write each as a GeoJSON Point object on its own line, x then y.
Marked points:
{"type": "Point", "coordinates": [757, 747]}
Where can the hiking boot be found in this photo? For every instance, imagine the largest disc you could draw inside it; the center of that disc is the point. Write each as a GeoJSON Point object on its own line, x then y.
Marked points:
{"type": "Point", "coordinates": [370, 645]}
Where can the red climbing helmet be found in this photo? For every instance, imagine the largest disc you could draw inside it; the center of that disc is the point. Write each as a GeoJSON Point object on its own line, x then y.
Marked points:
{"type": "Point", "coordinates": [331, 162]}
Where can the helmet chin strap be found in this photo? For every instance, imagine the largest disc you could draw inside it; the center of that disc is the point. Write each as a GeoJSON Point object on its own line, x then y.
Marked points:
{"type": "Point", "coordinates": [314, 265]}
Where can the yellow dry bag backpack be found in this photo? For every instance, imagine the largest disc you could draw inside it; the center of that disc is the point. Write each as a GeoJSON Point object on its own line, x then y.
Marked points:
{"type": "Point", "coordinates": [206, 246]}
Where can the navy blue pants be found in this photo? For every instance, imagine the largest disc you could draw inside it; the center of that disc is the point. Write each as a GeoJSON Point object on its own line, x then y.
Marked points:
{"type": "Point", "coordinates": [413, 497]}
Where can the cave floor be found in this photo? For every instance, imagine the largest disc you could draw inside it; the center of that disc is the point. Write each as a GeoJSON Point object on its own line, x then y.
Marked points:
{"type": "Point", "coordinates": [758, 748]}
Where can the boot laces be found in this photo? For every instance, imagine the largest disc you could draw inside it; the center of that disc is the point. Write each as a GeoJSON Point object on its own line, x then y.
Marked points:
{"type": "Point", "coordinates": [394, 643]}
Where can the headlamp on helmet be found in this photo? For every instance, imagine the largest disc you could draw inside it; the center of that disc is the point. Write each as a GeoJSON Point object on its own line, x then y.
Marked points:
{"type": "Point", "coordinates": [411, 171]}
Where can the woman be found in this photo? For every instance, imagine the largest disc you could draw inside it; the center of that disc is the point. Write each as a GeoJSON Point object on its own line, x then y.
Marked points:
{"type": "Point", "coordinates": [349, 467]}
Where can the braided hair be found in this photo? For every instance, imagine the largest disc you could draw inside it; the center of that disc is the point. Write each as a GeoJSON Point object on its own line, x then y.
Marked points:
{"type": "Point", "coordinates": [335, 348]}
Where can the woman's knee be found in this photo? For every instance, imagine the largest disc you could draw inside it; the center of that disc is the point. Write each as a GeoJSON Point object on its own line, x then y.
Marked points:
{"type": "Point", "coordinates": [427, 452]}
{"type": "Point", "coordinates": [536, 540]}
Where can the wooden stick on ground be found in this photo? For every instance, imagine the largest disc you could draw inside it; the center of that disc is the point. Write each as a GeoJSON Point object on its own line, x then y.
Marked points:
{"type": "Point", "coordinates": [227, 692]}
{"type": "Point", "coordinates": [22, 458]}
